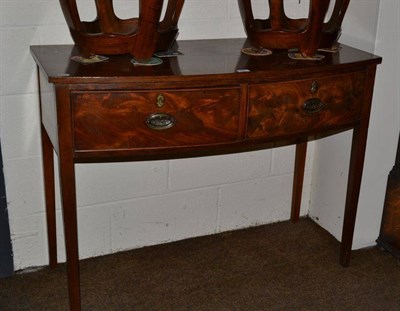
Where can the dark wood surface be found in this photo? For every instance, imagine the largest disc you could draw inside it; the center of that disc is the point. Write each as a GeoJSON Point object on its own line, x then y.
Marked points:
{"type": "Point", "coordinates": [275, 109]}
{"type": "Point", "coordinates": [108, 34]}
{"type": "Point", "coordinates": [102, 112]}
{"type": "Point", "coordinates": [307, 34]}
{"type": "Point", "coordinates": [115, 120]}
{"type": "Point", "coordinates": [6, 251]}
{"type": "Point", "coordinates": [389, 235]}
{"type": "Point", "coordinates": [221, 58]}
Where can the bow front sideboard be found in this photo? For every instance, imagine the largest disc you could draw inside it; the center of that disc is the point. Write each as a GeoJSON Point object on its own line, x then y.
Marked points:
{"type": "Point", "coordinates": [211, 100]}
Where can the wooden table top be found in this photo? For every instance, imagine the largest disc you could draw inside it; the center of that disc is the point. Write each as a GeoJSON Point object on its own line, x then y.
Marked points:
{"type": "Point", "coordinates": [220, 57]}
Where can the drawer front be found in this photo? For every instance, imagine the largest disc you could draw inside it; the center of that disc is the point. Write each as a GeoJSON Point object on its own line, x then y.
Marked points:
{"type": "Point", "coordinates": [157, 118]}
{"type": "Point", "coordinates": [303, 106]}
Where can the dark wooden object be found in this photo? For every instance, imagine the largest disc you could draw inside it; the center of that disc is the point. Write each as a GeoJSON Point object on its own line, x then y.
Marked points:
{"type": "Point", "coordinates": [389, 236]}
{"type": "Point", "coordinates": [281, 32]}
{"type": "Point", "coordinates": [6, 252]}
{"type": "Point", "coordinates": [191, 106]}
{"type": "Point", "coordinates": [109, 35]}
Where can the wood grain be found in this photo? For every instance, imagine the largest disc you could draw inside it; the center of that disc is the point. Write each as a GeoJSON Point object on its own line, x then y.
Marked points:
{"type": "Point", "coordinates": [116, 120]}
{"type": "Point", "coordinates": [277, 109]}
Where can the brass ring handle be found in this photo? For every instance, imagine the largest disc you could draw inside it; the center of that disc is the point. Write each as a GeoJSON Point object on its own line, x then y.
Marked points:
{"type": "Point", "coordinates": [160, 121]}
{"type": "Point", "coordinates": [313, 105]}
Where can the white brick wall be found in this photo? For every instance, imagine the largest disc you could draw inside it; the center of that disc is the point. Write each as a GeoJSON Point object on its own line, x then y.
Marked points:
{"type": "Point", "coordinates": [122, 206]}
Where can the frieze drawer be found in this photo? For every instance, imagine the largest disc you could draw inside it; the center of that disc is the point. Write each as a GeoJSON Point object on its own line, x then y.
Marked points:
{"type": "Point", "coordinates": [286, 108]}
{"type": "Point", "coordinates": [157, 118]}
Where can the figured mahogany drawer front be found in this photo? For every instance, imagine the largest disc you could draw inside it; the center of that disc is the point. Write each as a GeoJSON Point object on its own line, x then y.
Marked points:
{"type": "Point", "coordinates": [159, 118]}
{"type": "Point", "coordinates": [281, 109]}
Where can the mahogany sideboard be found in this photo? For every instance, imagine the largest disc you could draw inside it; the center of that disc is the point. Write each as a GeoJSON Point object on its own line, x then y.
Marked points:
{"type": "Point", "coordinates": [211, 100]}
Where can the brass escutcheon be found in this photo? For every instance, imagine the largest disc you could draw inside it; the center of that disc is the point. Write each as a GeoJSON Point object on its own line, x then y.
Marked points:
{"type": "Point", "coordinates": [160, 101]}
{"type": "Point", "coordinates": [314, 87]}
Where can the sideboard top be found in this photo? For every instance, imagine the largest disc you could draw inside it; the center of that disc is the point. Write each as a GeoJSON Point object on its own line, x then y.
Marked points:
{"type": "Point", "coordinates": [220, 57]}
